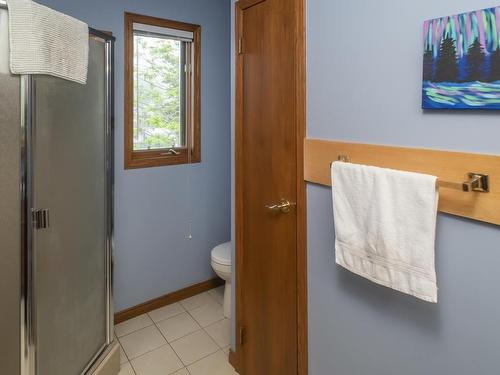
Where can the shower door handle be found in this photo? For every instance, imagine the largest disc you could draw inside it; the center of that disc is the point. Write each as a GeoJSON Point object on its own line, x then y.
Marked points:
{"type": "Point", "coordinates": [41, 218]}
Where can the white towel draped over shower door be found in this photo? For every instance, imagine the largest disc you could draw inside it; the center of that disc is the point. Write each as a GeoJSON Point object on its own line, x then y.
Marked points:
{"type": "Point", "coordinates": [385, 226]}
{"type": "Point", "coordinates": [44, 41]}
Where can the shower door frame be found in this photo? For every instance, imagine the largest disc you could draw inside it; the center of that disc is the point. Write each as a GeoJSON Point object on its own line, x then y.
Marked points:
{"type": "Point", "coordinates": [28, 296]}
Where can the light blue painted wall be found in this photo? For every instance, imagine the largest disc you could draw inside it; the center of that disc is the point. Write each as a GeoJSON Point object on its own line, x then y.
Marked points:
{"type": "Point", "coordinates": [364, 84]}
{"type": "Point", "coordinates": [153, 207]}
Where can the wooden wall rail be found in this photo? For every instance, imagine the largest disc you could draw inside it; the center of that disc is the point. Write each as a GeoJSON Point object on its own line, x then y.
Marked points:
{"type": "Point", "coordinates": [448, 166]}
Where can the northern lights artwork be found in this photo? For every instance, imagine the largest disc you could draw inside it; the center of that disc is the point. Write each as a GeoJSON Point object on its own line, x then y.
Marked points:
{"type": "Point", "coordinates": [462, 61]}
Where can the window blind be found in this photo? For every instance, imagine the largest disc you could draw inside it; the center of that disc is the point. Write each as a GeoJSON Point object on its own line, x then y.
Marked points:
{"type": "Point", "coordinates": [184, 36]}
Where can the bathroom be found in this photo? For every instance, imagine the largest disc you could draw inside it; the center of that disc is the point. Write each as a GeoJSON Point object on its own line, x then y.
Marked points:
{"type": "Point", "coordinates": [179, 293]}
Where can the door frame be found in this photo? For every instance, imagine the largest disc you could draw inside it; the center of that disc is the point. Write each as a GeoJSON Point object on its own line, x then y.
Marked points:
{"type": "Point", "coordinates": [301, 229]}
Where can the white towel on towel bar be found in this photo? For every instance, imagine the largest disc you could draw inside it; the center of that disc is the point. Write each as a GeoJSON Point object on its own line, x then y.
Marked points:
{"type": "Point", "coordinates": [44, 41]}
{"type": "Point", "coordinates": [385, 226]}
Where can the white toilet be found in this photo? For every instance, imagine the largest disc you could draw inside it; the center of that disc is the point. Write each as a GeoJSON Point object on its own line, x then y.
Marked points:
{"type": "Point", "coordinates": [221, 263]}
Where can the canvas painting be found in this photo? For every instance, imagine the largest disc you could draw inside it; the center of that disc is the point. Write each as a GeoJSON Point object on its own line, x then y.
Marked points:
{"type": "Point", "coordinates": [462, 61]}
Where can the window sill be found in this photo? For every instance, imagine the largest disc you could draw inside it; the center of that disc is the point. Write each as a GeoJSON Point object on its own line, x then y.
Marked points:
{"type": "Point", "coordinates": [152, 159]}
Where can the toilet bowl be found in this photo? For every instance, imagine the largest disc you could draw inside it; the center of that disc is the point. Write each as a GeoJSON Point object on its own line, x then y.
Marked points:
{"type": "Point", "coordinates": [221, 263]}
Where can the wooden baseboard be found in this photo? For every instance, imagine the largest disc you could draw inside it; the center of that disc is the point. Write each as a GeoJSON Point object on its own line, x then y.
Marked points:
{"type": "Point", "coordinates": [167, 299]}
{"type": "Point", "coordinates": [233, 360]}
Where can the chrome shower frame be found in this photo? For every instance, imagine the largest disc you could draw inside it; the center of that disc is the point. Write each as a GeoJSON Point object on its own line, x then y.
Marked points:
{"type": "Point", "coordinates": [28, 298]}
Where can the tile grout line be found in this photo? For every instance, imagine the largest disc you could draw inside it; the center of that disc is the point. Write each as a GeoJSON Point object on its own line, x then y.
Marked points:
{"type": "Point", "coordinates": [121, 347]}
{"type": "Point", "coordinates": [201, 359]}
{"type": "Point", "coordinates": [161, 333]}
{"type": "Point", "coordinates": [216, 343]}
{"type": "Point", "coordinates": [149, 351]}
{"type": "Point", "coordinates": [155, 323]}
{"type": "Point", "coordinates": [136, 330]}
{"type": "Point", "coordinates": [167, 342]}
{"type": "Point", "coordinates": [192, 316]}
{"type": "Point", "coordinates": [161, 346]}
{"type": "Point", "coordinates": [126, 356]}
{"type": "Point", "coordinates": [201, 329]}
{"type": "Point", "coordinates": [204, 329]}
{"type": "Point", "coordinates": [181, 336]}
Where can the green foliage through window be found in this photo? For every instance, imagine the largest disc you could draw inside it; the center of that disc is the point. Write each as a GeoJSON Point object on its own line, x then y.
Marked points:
{"type": "Point", "coordinates": [157, 93]}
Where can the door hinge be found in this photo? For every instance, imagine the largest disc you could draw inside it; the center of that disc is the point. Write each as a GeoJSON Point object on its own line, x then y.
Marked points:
{"type": "Point", "coordinates": [41, 218]}
{"type": "Point", "coordinates": [242, 336]}
{"type": "Point", "coordinates": [240, 46]}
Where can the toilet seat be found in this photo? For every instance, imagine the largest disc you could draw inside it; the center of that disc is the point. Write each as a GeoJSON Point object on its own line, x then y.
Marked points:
{"type": "Point", "coordinates": [221, 254]}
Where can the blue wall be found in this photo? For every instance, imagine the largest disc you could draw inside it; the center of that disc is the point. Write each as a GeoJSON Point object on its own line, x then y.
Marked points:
{"type": "Point", "coordinates": [364, 84]}
{"type": "Point", "coordinates": [153, 207]}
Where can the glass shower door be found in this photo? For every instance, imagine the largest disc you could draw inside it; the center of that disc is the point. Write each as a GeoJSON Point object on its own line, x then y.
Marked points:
{"type": "Point", "coordinates": [70, 192]}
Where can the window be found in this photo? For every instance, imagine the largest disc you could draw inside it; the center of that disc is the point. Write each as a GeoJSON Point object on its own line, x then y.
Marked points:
{"type": "Point", "coordinates": [162, 92]}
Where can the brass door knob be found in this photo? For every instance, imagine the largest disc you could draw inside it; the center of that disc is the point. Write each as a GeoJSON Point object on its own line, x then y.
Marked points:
{"type": "Point", "coordinates": [283, 207]}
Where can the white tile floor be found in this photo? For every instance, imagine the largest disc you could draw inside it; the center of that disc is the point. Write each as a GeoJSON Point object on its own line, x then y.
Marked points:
{"type": "Point", "coordinates": [186, 338]}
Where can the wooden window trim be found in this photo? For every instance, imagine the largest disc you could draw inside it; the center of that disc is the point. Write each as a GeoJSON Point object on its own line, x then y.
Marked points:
{"type": "Point", "coordinates": [161, 157]}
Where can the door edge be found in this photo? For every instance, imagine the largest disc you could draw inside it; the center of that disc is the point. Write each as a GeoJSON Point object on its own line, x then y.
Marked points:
{"type": "Point", "coordinates": [236, 356]}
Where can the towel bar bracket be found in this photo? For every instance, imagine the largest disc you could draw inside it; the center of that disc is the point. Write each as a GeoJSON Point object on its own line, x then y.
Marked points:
{"type": "Point", "coordinates": [478, 182]}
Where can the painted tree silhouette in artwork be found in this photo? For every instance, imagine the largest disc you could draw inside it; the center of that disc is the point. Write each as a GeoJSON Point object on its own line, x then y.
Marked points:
{"type": "Point", "coordinates": [428, 65]}
{"type": "Point", "coordinates": [495, 66]}
{"type": "Point", "coordinates": [447, 65]}
{"type": "Point", "coordinates": [475, 62]}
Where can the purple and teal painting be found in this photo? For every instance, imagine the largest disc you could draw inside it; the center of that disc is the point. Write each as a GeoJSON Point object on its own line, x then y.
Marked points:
{"type": "Point", "coordinates": [462, 61]}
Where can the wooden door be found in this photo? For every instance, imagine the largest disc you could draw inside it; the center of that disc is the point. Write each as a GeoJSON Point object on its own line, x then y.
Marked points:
{"type": "Point", "coordinates": [267, 193]}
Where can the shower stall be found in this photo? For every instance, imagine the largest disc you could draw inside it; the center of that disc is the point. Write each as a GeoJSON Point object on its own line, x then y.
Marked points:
{"type": "Point", "coordinates": [56, 218]}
